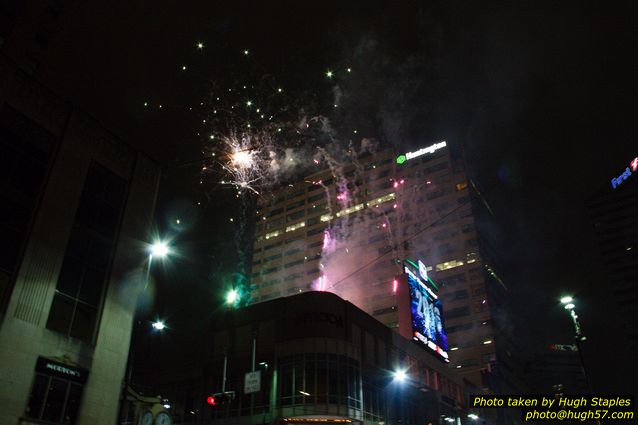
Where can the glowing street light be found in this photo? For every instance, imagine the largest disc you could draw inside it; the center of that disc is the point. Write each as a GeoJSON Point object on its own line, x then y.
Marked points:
{"type": "Point", "coordinates": [159, 249]}
{"type": "Point", "coordinates": [158, 325]}
{"type": "Point", "coordinates": [473, 416]}
{"type": "Point", "coordinates": [400, 375]}
{"type": "Point", "coordinates": [232, 296]}
{"type": "Point", "coordinates": [569, 305]}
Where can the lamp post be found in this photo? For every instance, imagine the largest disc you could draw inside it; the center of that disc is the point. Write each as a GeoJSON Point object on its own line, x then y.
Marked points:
{"type": "Point", "coordinates": [160, 250]}
{"type": "Point", "coordinates": [568, 303]}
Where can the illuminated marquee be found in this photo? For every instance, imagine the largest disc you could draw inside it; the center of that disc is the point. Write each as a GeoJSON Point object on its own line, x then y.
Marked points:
{"type": "Point", "coordinates": [427, 315]}
{"type": "Point", "coordinates": [423, 151]}
{"type": "Point", "coordinates": [633, 167]}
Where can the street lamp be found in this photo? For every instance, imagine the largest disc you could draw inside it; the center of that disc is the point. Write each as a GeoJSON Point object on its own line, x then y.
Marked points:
{"type": "Point", "coordinates": [158, 325]}
{"type": "Point", "coordinates": [232, 296]}
{"type": "Point", "coordinates": [568, 303]}
{"type": "Point", "coordinates": [159, 249]}
{"type": "Point", "coordinates": [400, 375]}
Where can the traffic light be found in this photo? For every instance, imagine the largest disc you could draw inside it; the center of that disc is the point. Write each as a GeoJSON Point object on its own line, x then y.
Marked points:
{"type": "Point", "coordinates": [220, 399]}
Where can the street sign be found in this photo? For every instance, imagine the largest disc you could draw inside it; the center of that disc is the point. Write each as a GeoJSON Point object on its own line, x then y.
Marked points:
{"type": "Point", "coordinates": [252, 382]}
{"type": "Point", "coordinates": [563, 347]}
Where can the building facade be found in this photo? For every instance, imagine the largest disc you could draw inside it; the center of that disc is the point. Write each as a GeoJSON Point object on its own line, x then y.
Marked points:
{"type": "Point", "coordinates": [614, 213]}
{"type": "Point", "coordinates": [349, 228]}
{"type": "Point", "coordinates": [319, 359]}
{"type": "Point", "coordinates": [76, 214]}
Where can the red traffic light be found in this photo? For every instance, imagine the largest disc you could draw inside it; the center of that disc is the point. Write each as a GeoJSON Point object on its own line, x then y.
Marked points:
{"type": "Point", "coordinates": [220, 399]}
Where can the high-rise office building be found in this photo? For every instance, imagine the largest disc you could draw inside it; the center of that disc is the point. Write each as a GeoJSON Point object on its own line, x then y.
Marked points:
{"type": "Point", "coordinates": [75, 216]}
{"type": "Point", "coordinates": [349, 228]}
{"type": "Point", "coordinates": [614, 212]}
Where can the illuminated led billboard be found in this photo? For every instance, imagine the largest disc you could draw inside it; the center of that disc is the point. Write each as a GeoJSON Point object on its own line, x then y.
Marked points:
{"type": "Point", "coordinates": [427, 315]}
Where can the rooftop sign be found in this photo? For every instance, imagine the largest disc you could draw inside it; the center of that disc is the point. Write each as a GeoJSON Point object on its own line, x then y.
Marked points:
{"type": "Point", "coordinates": [617, 181]}
{"type": "Point", "coordinates": [423, 151]}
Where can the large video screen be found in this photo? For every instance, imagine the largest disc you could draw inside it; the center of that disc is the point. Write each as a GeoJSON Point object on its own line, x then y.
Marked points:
{"type": "Point", "coordinates": [427, 316]}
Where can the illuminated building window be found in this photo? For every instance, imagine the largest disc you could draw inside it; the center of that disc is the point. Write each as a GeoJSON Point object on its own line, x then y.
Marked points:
{"type": "Point", "coordinates": [296, 226]}
{"type": "Point", "coordinates": [326, 217]}
{"type": "Point", "coordinates": [448, 265]}
{"type": "Point", "coordinates": [349, 210]}
{"type": "Point", "coordinates": [272, 234]}
{"type": "Point", "coordinates": [461, 186]}
{"type": "Point", "coordinates": [471, 257]}
{"type": "Point", "coordinates": [382, 199]}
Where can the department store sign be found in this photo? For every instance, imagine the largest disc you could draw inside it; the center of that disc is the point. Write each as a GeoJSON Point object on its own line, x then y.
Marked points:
{"type": "Point", "coordinates": [423, 151]}
{"type": "Point", "coordinates": [50, 367]}
{"type": "Point", "coordinates": [633, 167]}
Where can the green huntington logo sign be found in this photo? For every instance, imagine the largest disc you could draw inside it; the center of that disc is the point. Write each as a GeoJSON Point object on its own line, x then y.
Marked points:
{"type": "Point", "coordinates": [423, 151]}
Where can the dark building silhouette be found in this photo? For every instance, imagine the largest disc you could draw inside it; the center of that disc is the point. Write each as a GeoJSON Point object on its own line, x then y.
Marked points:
{"type": "Point", "coordinates": [320, 360]}
{"type": "Point", "coordinates": [614, 213]}
{"type": "Point", "coordinates": [75, 213]}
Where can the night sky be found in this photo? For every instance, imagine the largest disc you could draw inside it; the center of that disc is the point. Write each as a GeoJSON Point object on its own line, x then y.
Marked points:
{"type": "Point", "coordinates": [540, 95]}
